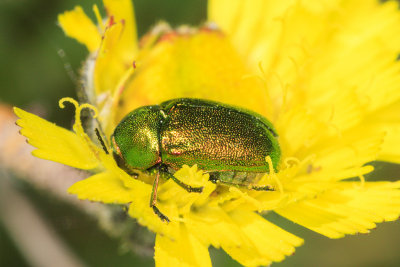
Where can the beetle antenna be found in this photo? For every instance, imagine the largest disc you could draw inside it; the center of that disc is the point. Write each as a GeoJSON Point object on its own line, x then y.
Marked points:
{"type": "Point", "coordinates": [101, 140]}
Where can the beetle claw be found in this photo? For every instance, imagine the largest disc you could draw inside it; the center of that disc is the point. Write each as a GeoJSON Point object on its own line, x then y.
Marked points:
{"type": "Point", "coordinates": [262, 188]}
{"type": "Point", "coordinates": [195, 189]}
{"type": "Point", "coordinates": [160, 214]}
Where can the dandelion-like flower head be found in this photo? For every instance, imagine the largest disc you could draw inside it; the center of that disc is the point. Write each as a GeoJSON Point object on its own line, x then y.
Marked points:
{"type": "Point", "coordinates": [325, 73]}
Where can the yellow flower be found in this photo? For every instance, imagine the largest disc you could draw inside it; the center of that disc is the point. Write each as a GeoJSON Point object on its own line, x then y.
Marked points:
{"type": "Point", "coordinates": [324, 72]}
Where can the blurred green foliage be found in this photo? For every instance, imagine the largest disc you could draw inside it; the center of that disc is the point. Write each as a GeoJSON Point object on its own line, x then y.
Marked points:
{"type": "Point", "coordinates": [39, 65]}
{"type": "Point", "coordinates": [9, 253]}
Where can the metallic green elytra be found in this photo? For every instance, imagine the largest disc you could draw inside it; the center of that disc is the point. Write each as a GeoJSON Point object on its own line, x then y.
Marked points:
{"type": "Point", "coordinates": [229, 143]}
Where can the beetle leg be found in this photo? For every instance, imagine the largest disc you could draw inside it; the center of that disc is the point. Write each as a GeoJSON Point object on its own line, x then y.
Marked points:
{"type": "Point", "coordinates": [153, 199]}
{"type": "Point", "coordinates": [190, 189]}
{"type": "Point", "coordinates": [249, 186]}
{"type": "Point", "coordinates": [187, 187]}
{"type": "Point", "coordinates": [261, 187]}
{"type": "Point", "coordinates": [215, 178]}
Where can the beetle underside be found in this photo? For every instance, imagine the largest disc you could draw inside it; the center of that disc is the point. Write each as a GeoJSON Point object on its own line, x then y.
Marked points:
{"type": "Point", "coordinates": [238, 179]}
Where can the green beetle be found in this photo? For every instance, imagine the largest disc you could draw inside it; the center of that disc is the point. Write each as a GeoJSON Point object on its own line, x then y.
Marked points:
{"type": "Point", "coordinates": [229, 143]}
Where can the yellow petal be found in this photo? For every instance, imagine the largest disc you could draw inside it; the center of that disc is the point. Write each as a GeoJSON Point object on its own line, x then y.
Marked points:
{"type": "Point", "coordinates": [185, 250]}
{"type": "Point", "coordinates": [213, 226]}
{"type": "Point", "coordinates": [363, 59]}
{"type": "Point", "coordinates": [349, 150]}
{"type": "Point", "coordinates": [337, 55]}
{"type": "Point", "coordinates": [292, 136]}
{"type": "Point", "coordinates": [271, 242]}
{"type": "Point", "coordinates": [104, 187]}
{"type": "Point", "coordinates": [386, 120]}
{"type": "Point", "coordinates": [269, 31]}
{"type": "Point", "coordinates": [109, 66]}
{"type": "Point", "coordinates": [122, 10]}
{"type": "Point", "coordinates": [118, 48]}
{"type": "Point", "coordinates": [139, 195]}
{"type": "Point", "coordinates": [141, 210]}
{"type": "Point", "coordinates": [55, 143]}
{"type": "Point", "coordinates": [77, 25]}
{"type": "Point", "coordinates": [351, 209]}
{"type": "Point", "coordinates": [390, 150]}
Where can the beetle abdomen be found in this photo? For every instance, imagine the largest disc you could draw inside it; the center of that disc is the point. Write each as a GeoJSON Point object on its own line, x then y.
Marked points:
{"type": "Point", "coordinates": [216, 137]}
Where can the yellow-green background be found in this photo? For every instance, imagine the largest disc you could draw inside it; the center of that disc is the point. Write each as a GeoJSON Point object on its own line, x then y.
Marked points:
{"type": "Point", "coordinates": [34, 75]}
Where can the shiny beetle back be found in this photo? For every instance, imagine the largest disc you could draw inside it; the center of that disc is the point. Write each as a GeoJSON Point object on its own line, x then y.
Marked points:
{"type": "Point", "coordinates": [216, 137]}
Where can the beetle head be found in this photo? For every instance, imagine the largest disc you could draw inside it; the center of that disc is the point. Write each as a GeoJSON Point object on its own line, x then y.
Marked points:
{"type": "Point", "coordinates": [135, 139]}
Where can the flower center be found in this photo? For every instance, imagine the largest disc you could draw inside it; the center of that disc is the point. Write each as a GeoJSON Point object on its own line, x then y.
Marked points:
{"type": "Point", "coordinates": [186, 62]}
